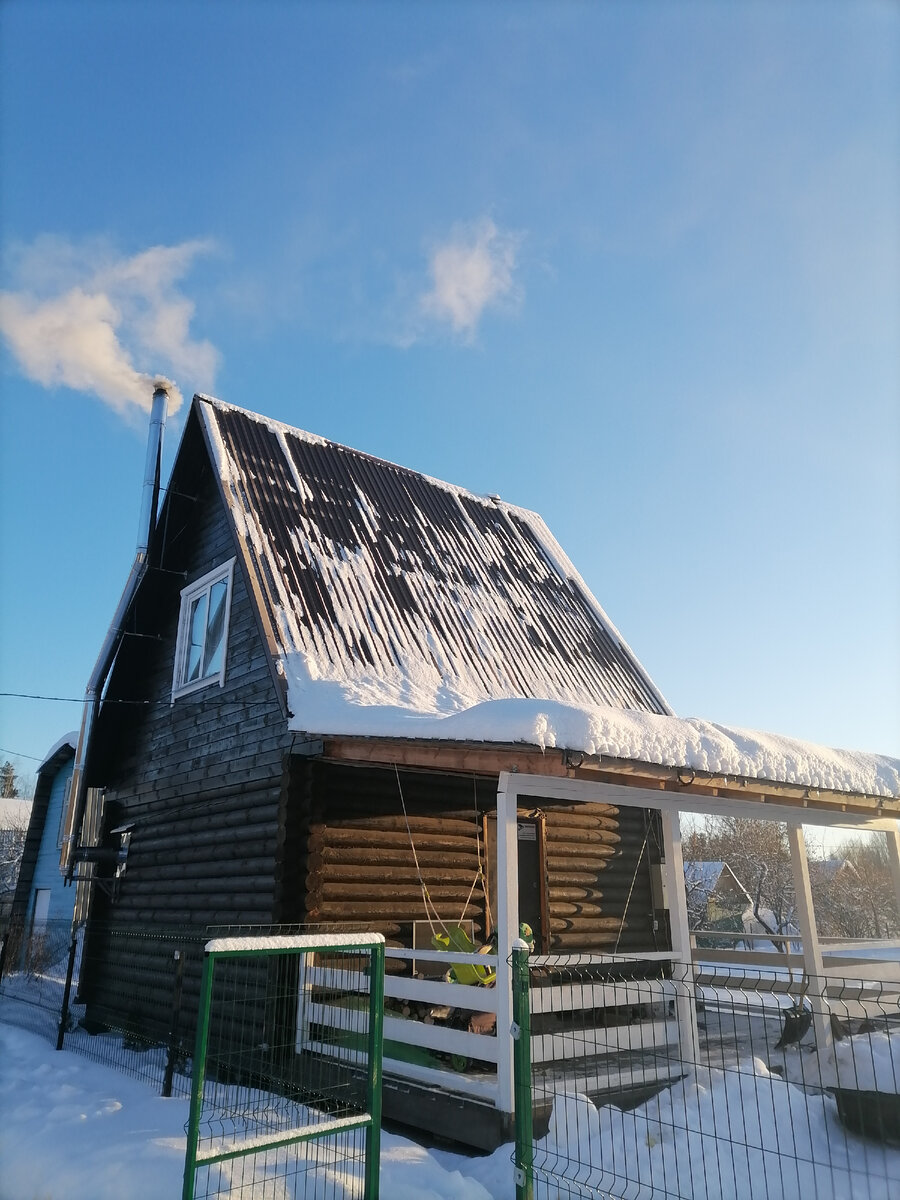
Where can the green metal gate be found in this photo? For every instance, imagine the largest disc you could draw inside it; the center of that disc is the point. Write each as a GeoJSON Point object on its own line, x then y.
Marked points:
{"type": "Point", "coordinates": [286, 1083]}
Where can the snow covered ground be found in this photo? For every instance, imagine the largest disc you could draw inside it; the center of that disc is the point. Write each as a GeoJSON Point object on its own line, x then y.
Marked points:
{"type": "Point", "coordinates": [71, 1129]}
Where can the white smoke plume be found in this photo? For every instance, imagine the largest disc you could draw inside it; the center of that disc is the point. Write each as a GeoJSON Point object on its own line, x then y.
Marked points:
{"type": "Point", "coordinates": [470, 272]}
{"type": "Point", "coordinates": [91, 320]}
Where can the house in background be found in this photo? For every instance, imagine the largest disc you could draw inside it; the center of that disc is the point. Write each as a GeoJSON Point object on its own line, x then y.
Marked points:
{"type": "Point", "coordinates": [339, 692]}
{"type": "Point", "coordinates": [716, 897]}
{"type": "Point", "coordinates": [41, 895]}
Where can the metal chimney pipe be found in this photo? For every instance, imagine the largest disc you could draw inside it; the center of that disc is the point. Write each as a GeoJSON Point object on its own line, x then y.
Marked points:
{"type": "Point", "coordinates": [150, 494]}
{"type": "Point", "coordinates": [94, 691]}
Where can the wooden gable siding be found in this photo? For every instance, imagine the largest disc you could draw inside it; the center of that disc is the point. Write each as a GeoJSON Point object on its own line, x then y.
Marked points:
{"type": "Point", "coordinates": [201, 778]}
{"type": "Point", "coordinates": [347, 838]}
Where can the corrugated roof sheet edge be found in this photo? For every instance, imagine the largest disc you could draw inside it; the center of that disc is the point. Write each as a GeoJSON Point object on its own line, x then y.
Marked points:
{"type": "Point", "coordinates": [315, 439]}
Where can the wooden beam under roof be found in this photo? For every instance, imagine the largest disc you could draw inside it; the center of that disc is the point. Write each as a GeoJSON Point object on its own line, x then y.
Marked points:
{"type": "Point", "coordinates": [688, 784]}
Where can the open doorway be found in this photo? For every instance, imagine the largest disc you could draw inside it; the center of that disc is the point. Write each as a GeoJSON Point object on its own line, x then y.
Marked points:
{"type": "Point", "coordinates": [532, 855]}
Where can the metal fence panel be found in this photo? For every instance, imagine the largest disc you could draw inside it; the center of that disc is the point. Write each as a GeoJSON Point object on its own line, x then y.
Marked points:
{"type": "Point", "coordinates": [286, 1082]}
{"type": "Point", "coordinates": [620, 1111]}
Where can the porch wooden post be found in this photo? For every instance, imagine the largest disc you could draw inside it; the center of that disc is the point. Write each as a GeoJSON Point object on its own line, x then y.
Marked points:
{"type": "Point", "coordinates": [676, 897]}
{"type": "Point", "coordinates": [893, 843]}
{"type": "Point", "coordinates": [507, 928]}
{"type": "Point", "coordinates": [813, 963]}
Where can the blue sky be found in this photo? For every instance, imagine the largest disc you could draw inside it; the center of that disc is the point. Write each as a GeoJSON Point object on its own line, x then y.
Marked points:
{"type": "Point", "coordinates": [634, 266]}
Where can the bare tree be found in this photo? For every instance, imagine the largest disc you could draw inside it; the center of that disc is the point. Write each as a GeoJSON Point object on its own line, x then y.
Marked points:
{"type": "Point", "coordinates": [853, 890]}
{"type": "Point", "coordinates": [13, 828]}
{"type": "Point", "coordinates": [12, 843]}
{"type": "Point", "coordinates": [758, 853]}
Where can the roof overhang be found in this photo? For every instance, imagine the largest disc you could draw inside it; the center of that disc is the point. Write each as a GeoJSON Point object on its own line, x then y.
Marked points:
{"type": "Point", "coordinates": [627, 782]}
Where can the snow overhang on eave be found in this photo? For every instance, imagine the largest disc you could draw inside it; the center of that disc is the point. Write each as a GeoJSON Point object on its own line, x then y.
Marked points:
{"type": "Point", "coordinates": [697, 791]}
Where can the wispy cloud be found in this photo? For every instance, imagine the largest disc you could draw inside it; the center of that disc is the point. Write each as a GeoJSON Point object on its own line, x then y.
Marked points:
{"type": "Point", "coordinates": [472, 271]}
{"type": "Point", "coordinates": [87, 318]}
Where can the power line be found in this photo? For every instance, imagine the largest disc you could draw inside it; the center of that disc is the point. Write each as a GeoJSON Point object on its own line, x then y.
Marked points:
{"type": "Point", "coordinates": [65, 699]}
{"type": "Point", "coordinates": [19, 754]}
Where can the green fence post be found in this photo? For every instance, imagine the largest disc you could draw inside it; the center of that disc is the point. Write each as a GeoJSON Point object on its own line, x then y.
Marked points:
{"type": "Point", "coordinates": [521, 1031]}
{"type": "Point", "coordinates": [376, 1048]}
{"type": "Point", "coordinates": [198, 1071]}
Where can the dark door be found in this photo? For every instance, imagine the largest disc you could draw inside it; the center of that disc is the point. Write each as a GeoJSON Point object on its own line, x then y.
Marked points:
{"type": "Point", "coordinates": [532, 879]}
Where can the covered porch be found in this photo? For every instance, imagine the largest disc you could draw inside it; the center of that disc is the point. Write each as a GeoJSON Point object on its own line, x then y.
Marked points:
{"type": "Point", "coordinates": [622, 1025]}
{"type": "Point", "coordinates": [838, 981]}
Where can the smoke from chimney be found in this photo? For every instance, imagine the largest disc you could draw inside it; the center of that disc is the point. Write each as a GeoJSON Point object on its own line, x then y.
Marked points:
{"type": "Point", "coordinates": [118, 313]}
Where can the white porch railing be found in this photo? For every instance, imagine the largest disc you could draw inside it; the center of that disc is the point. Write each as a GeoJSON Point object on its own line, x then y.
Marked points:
{"type": "Point", "coordinates": [470, 1064]}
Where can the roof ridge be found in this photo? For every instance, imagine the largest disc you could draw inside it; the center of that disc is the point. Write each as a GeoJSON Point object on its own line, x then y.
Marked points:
{"type": "Point", "coordinates": [488, 499]}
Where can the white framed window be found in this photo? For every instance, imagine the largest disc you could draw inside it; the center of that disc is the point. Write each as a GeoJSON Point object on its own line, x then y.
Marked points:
{"type": "Point", "coordinates": [203, 631]}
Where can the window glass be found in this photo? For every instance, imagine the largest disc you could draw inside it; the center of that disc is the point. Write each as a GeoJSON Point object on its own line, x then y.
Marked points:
{"type": "Point", "coordinates": [203, 631]}
{"type": "Point", "coordinates": [215, 629]}
{"type": "Point", "coordinates": [197, 638]}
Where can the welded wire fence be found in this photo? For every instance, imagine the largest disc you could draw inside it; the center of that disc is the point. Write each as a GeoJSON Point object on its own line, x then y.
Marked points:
{"type": "Point", "coordinates": [291, 1051]}
{"type": "Point", "coordinates": [34, 964]}
{"type": "Point", "coordinates": [287, 1069]}
{"type": "Point", "coordinates": [649, 1078]}
{"type": "Point", "coordinates": [56, 983]}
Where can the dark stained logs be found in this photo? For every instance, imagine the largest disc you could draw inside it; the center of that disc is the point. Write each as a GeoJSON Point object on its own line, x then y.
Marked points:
{"type": "Point", "coordinates": [361, 835]}
{"type": "Point", "coordinates": [324, 856]}
{"type": "Point", "coordinates": [361, 867]}
{"type": "Point", "coordinates": [593, 875]}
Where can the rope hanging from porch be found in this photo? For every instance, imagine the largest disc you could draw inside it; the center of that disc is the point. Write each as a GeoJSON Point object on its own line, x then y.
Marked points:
{"type": "Point", "coordinates": [431, 913]}
{"type": "Point", "coordinates": [637, 867]}
{"type": "Point", "coordinates": [479, 873]}
{"type": "Point", "coordinates": [427, 902]}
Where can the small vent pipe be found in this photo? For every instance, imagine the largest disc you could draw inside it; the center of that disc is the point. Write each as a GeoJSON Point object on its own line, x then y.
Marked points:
{"type": "Point", "coordinates": [94, 691]}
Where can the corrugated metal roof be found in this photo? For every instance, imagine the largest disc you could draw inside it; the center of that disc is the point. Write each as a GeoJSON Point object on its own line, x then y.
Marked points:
{"type": "Point", "coordinates": [371, 570]}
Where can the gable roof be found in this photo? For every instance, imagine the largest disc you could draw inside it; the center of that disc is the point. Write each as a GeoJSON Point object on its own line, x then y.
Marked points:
{"type": "Point", "coordinates": [705, 875]}
{"type": "Point", "coordinates": [404, 591]}
{"type": "Point", "coordinates": [396, 605]}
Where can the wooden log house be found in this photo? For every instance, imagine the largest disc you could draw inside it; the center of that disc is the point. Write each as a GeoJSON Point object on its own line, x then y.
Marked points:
{"type": "Point", "coordinates": [297, 727]}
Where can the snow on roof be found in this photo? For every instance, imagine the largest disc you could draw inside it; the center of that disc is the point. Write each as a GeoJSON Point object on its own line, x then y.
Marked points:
{"type": "Point", "coordinates": [408, 591]}
{"type": "Point", "coordinates": [401, 606]}
{"type": "Point", "coordinates": [704, 875]}
{"type": "Point", "coordinates": [68, 739]}
{"type": "Point", "coordinates": [325, 707]}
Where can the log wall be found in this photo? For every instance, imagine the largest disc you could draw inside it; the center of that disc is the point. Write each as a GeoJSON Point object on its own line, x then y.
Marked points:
{"type": "Point", "coordinates": [360, 868]}
{"type": "Point", "coordinates": [200, 779]}
{"type": "Point", "coordinates": [352, 848]}
{"type": "Point", "coordinates": [598, 877]}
